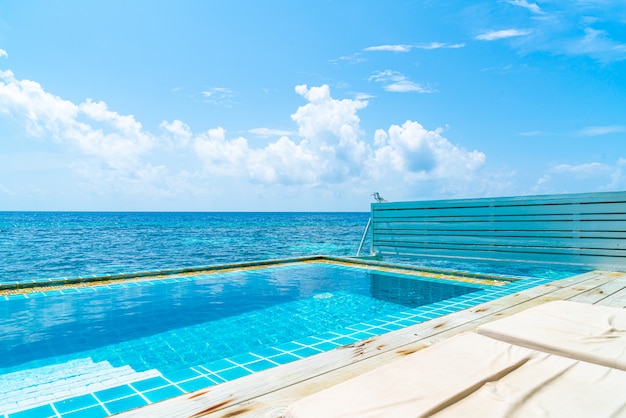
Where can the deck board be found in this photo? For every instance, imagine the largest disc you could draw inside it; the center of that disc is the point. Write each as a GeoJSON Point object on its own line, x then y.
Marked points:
{"type": "Point", "coordinates": [616, 300]}
{"type": "Point", "coordinates": [267, 393]}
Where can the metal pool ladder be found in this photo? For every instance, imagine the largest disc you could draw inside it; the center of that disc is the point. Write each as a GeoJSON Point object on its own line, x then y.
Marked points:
{"type": "Point", "coordinates": [367, 228]}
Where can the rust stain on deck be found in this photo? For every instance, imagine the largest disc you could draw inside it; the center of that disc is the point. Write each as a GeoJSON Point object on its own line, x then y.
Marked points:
{"type": "Point", "coordinates": [408, 351]}
{"type": "Point", "coordinates": [237, 412]}
{"type": "Point", "coordinates": [198, 394]}
{"type": "Point", "coordinates": [359, 344]}
{"type": "Point", "coordinates": [481, 310]}
{"type": "Point", "coordinates": [211, 409]}
{"type": "Point", "coordinates": [443, 324]}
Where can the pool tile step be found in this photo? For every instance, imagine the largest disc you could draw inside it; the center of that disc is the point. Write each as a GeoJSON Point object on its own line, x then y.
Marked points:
{"type": "Point", "coordinates": [36, 387]}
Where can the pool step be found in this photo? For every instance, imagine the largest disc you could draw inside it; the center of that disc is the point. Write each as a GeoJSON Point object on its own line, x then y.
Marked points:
{"type": "Point", "coordinates": [34, 387]}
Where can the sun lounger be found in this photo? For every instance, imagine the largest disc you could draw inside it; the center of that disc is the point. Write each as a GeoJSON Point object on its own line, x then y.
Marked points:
{"type": "Point", "coordinates": [592, 333]}
{"type": "Point", "coordinates": [473, 376]}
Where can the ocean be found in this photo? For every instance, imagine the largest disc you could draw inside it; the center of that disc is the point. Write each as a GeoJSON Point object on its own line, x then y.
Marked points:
{"type": "Point", "coordinates": [40, 245]}
{"type": "Point", "coordinates": [35, 245]}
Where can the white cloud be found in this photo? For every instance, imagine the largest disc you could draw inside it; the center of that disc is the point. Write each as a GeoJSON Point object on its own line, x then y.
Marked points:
{"type": "Point", "coordinates": [117, 156]}
{"type": "Point", "coordinates": [398, 83]}
{"type": "Point", "coordinates": [177, 128]}
{"type": "Point", "coordinates": [3, 53]}
{"type": "Point", "coordinates": [177, 134]}
{"type": "Point", "coordinates": [601, 130]}
{"type": "Point", "coordinates": [420, 154]}
{"type": "Point", "coordinates": [502, 34]}
{"type": "Point", "coordinates": [285, 162]}
{"type": "Point", "coordinates": [593, 176]}
{"type": "Point", "coordinates": [333, 127]}
{"type": "Point", "coordinates": [408, 48]}
{"type": "Point", "coordinates": [280, 162]}
{"type": "Point", "coordinates": [573, 28]}
{"type": "Point", "coordinates": [440, 45]}
{"type": "Point", "coordinates": [221, 156]}
{"type": "Point", "coordinates": [330, 150]}
{"type": "Point", "coordinates": [90, 126]}
{"type": "Point", "coordinates": [219, 96]}
{"type": "Point", "coordinates": [267, 132]}
{"type": "Point", "coordinates": [532, 7]}
{"type": "Point", "coordinates": [363, 96]}
{"type": "Point", "coordinates": [583, 170]}
{"type": "Point", "coordinates": [391, 48]}
{"type": "Point", "coordinates": [598, 44]}
{"type": "Point", "coordinates": [350, 59]}
{"type": "Point", "coordinates": [222, 91]}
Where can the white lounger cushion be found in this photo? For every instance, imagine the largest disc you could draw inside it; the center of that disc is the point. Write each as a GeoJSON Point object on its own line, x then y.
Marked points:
{"type": "Point", "coordinates": [592, 333]}
{"type": "Point", "coordinates": [473, 376]}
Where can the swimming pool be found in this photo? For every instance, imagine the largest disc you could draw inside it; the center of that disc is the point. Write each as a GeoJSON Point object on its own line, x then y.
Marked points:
{"type": "Point", "coordinates": [104, 349]}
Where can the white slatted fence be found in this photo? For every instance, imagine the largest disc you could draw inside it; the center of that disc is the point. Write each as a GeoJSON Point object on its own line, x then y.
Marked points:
{"type": "Point", "coordinates": [582, 229]}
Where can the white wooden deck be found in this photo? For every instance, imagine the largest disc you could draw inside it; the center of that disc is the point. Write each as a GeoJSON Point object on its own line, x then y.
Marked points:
{"type": "Point", "coordinates": [267, 393]}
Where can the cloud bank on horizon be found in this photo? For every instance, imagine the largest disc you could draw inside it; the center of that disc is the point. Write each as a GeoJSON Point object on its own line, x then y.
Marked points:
{"type": "Point", "coordinates": [494, 109]}
{"type": "Point", "coordinates": [327, 149]}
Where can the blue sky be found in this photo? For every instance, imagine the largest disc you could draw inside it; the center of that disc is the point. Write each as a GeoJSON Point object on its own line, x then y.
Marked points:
{"type": "Point", "coordinates": [307, 105]}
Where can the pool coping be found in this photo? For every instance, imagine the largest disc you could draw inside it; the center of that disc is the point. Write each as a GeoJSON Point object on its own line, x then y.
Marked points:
{"type": "Point", "coordinates": [35, 285]}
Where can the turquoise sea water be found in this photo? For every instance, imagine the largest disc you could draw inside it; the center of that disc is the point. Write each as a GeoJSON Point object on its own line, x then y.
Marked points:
{"type": "Point", "coordinates": [35, 245]}
{"type": "Point", "coordinates": [71, 244]}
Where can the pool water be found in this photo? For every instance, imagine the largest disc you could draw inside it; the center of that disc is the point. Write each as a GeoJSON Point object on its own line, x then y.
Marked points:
{"type": "Point", "coordinates": [105, 349]}
{"type": "Point", "coordinates": [169, 325]}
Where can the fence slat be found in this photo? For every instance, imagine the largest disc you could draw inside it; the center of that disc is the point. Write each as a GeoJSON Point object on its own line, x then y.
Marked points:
{"type": "Point", "coordinates": [585, 229]}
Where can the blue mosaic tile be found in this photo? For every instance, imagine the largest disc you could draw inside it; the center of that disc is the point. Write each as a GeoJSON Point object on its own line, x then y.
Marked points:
{"type": "Point", "coordinates": [284, 358]}
{"type": "Point", "coordinates": [260, 365]}
{"type": "Point", "coordinates": [309, 340]}
{"type": "Point", "coordinates": [289, 346]}
{"type": "Point", "coordinates": [326, 346]}
{"type": "Point", "coordinates": [374, 322]}
{"type": "Point", "coordinates": [393, 327]}
{"type": "Point", "coordinates": [162, 393]}
{"type": "Point", "coordinates": [328, 336]}
{"type": "Point", "coordinates": [359, 327]}
{"type": "Point", "coordinates": [73, 404]}
{"type": "Point", "coordinates": [409, 322]}
{"type": "Point", "coordinates": [243, 358]}
{"type": "Point", "coordinates": [305, 352]}
{"type": "Point", "coordinates": [125, 404]}
{"type": "Point", "coordinates": [267, 351]}
{"type": "Point", "coordinates": [218, 365]}
{"type": "Point", "coordinates": [181, 375]}
{"type": "Point", "coordinates": [44, 411]}
{"type": "Point", "coordinates": [196, 384]}
{"type": "Point", "coordinates": [114, 393]}
{"type": "Point", "coordinates": [361, 335]}
{"type": "Point", "coordinates": [377, 331]}
{"type": "Point", "coordinates": [344, 331]}
{"type": "Point", "coordinates": [148, 384]}
{"type": "Point", "coordinates": [345, 341]}
{"type": "Point", "coordinates": [234, 373]}
{"type": "Point", "coordinates": [96, 411]}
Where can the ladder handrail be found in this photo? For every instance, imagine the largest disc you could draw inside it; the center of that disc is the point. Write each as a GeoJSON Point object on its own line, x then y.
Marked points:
{"type": "Point", "coordinates": [367, 228]}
